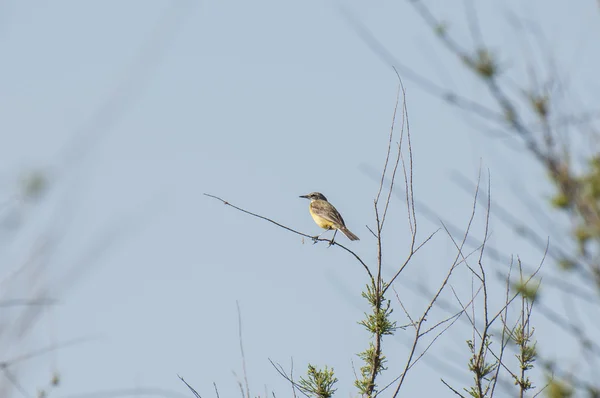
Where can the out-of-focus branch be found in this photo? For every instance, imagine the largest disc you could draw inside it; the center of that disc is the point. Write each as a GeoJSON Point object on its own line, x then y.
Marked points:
{"type": "Point", "coordinates": [135, 78]}
{"type": "Point", "coordinates": [426, 84]}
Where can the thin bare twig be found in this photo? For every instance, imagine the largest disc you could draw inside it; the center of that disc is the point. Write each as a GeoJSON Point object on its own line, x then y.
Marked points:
{"type": "Point", "coordinates": [413, 323]}
{"type": "Point", "coordinates": [191, 388]}
{"type": "Point", "coordinates": [290, 378]}
{"type": "Point", "coordinates": [451, 388]}
{"type": "Point", "coordinates": [410, 256]}
{"type": "Point", "coordinates": [435, 297]}
{"type": "Point", "coordinates": [371, 231]}
{"type": "Point", "coordinates": [399, 155]}
{"type": "Point", "coordinates": [504, 340]}
{"type": "Point", "coordinates": [242, 349]}
{"type": "Point", "coordinates": [389, 148]}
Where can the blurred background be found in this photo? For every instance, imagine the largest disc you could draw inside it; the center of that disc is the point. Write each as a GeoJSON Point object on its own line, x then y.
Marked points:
{"type": "Point", "coordinates": [117, 274]}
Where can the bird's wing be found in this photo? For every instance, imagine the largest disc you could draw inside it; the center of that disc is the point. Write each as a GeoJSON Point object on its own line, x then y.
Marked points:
{"type": "Point", "coordinates": [327, 211]}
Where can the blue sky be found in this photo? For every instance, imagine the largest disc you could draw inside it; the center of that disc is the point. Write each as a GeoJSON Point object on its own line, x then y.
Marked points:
{"type": "Point", "coordinates": [135, 109]}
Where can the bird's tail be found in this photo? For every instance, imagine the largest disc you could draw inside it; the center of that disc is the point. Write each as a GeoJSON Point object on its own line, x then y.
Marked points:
{"type": "Point", "coordinates": [349, 234]}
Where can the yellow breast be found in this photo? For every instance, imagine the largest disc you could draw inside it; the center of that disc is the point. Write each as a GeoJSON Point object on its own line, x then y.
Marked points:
{"type": "Point", "coordinates": [321, 222]}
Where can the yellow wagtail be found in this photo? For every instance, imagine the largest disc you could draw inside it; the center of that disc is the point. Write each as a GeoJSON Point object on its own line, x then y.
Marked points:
{"type": "Point", "coordinates": [326, 216]}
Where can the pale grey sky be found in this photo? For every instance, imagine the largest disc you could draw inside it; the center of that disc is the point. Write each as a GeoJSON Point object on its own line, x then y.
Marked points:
{"type": "Point", "coordinates": [137, 108]}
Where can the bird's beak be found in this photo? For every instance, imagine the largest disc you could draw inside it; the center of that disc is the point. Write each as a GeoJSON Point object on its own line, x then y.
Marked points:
{"type": "Point", "coordinates": [304, 196]}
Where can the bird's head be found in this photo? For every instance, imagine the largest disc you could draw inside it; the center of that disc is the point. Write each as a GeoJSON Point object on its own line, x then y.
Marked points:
{"type": "Point", "coordinates": [314, 196]}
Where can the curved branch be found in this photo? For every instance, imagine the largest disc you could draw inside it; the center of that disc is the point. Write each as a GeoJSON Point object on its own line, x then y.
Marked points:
{"type": "Point", "coordinates": [315, 239]}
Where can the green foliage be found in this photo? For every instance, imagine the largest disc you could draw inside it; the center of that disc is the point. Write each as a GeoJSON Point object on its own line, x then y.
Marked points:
{"type": "Point", "coordinates": [55, 380]}
{"type": "Point", "coordinates": [539, 103]}
{"type": "Point", "coordinates": [318, 383]}
{"type": "Point", "coordinates": [561, 201]}
{"type": "Point", "coordinates": [483, 63]}
{"type": "Point", "coordinates": [441, 29]}
{"type": "Point", "coordinates": [558, 389]}
{"type": "Point", "coordinates": [52, 385]}
{"type": "Point", "coordinates": [483, 371]}
{"type": "Point", "coordinates": [528, 290]}
{"type": "Point", "coordinates": [526, 355]}
{"type": "Point", "coordinates": [374, 364]}
{"type": "Point", "coordinates": [582, 235]}
{"type": "Point", "coordinates": [566, 264]}
{"type": "Point", "coordinates": [509, 115]}
{"type": "Point", "coordinates": [579, 196]}
{"type": "Point", "coordinates": [378, 323]}
{"type": "Point", "coordinates": [34, 184]}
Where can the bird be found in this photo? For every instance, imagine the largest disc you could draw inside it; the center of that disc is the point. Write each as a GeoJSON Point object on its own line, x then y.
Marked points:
{"type": "Point", "coordinates": [326, 216]}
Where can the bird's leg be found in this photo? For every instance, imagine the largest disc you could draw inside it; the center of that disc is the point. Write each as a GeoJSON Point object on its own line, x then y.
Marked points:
{"type": "Point", "coordinates": [316, 238]}
{"type": "Point", "coordinates": [333, 238]}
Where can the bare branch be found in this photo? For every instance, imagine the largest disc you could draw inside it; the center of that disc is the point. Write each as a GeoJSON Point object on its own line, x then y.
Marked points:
{"type": "Point", "coordinates": [410, 256]}
{"type": "Point", "coordinates": [296, 232]}
{"type": "Point", "coordinates": [192, 388]}
{"type": "Point", "coordinates": [389, 148]}
{"type": "Point", "coordinates": [242, 349]}
{"type": "Point", "coordinates": [451, 388]}
{"type": "Point", "coordinates": [290, 378]}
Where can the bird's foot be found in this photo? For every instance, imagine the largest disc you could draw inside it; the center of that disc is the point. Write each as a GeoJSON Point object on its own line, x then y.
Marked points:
{"type": "Point", "coordinates": [331, 242]}
{"type": "Point", "coordinates": [315, 239]}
